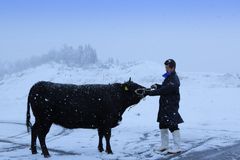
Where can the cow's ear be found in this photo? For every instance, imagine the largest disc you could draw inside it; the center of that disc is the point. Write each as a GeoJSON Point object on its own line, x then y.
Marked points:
{"type": "Point", "coordinates": [124, 87]}
{"type": "Point", "coordinates": [130, 79]}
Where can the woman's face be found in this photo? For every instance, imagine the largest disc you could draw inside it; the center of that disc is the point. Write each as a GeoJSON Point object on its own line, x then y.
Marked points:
{"type": "Point", "coordinates": [168, 69]}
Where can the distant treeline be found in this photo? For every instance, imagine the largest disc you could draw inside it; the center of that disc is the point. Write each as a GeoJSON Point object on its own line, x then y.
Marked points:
{"type": "Point", "coordinates": [79, 57]}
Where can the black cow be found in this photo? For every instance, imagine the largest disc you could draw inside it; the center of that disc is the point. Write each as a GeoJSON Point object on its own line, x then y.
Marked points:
{"type": "Point", "coordinates": [94, 106]}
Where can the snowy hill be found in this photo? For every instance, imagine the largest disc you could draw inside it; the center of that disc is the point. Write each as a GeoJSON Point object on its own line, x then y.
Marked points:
{"type": "Point", "coordinates": [209, 105]}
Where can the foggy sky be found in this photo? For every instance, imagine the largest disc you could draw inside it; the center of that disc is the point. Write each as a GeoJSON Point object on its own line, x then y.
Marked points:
{"type": "Point", "coordinates": [201, 36]}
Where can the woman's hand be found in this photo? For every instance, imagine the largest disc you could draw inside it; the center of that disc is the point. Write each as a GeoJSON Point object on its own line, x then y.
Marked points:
{"type": "Point", "coordinates": [154, 86]}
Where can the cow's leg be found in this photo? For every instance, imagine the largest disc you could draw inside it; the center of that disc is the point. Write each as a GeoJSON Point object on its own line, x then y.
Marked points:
{"type": "Point", "coordinates": [100, 135]}
{"type": "Point", "coordinates": [43, 130]}
{"type": "Point", "coordinates": [34, 138]}
{"type": "Point", "coordinates": [108, 136]}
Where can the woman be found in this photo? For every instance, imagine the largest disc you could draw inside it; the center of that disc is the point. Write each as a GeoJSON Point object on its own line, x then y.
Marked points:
{"type": "Point", "coordinates": [168, 116]}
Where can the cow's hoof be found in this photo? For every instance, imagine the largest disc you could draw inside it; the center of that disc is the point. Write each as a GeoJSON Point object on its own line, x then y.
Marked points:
{"type": "Point", "coordinates": [109, 151]}
{"type": "Point", "coordinates": [47, 156]}
{"type": "Point", "coordinates": [34, 150]}
{"type": "Point", "coordinates": [100, 149]}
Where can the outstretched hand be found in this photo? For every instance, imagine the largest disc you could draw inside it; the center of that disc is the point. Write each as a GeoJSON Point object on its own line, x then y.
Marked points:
{"type": "Point", "coordinates": [154, 86]}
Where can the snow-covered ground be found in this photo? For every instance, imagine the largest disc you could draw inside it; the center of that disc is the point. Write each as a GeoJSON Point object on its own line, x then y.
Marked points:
{"type": "Point", "coordinates": [209, 105]}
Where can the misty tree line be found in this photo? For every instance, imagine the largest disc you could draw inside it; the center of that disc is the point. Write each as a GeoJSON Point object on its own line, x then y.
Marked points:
{"type": "Point", "coordinates": [79, 57]}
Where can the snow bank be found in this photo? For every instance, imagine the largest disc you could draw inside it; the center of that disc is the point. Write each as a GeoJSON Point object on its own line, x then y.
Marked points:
{"type": "Point", "coordinates": [209, 105]}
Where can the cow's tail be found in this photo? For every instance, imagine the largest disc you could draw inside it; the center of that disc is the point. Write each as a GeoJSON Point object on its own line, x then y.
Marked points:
{"type": "Point", "coordinates": [28, 122]}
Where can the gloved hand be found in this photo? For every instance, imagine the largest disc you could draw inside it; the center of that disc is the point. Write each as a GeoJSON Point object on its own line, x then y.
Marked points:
{"type": "Point", "coordinates": [154, 86]}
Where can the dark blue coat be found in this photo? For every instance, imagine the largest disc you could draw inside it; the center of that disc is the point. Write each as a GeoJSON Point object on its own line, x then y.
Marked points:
{"type": "Point", "coordinates": [169, 100]}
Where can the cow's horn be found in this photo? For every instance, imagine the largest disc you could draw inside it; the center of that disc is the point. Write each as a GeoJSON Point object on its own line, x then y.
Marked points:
{"type": "Point", "coordinates": [130, 79]}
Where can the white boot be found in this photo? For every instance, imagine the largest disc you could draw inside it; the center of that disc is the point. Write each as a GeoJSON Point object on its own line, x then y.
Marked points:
{"type": "Point", "coordinates": [164, 139]}
{"type": "Point", "coordinates": [176, 140]}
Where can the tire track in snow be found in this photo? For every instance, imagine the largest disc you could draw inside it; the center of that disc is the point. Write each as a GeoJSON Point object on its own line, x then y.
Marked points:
{"type": "Point", "coordinates": [223, 153]}
{"type": "Point", "coordinates": [63, 132]}
{"type": "Point", "coordinates": [20, 135]}
{"type": "Point", "coordinates": [145, 146]}
{"type": "Point", "coordinates": [16, 146]}
{"type": "Point", "coordinates": [195, 145]}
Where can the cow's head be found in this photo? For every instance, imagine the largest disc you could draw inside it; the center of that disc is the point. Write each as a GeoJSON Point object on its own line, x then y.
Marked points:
{"type": "Point", "coordinates": [129, 90]}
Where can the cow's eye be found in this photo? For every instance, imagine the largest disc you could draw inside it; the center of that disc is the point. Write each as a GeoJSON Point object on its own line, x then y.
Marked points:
{"type": "Point", "coordinates": [126, 88]}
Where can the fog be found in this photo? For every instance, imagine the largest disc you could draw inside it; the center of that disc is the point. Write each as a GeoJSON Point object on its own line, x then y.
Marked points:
{"type": "Point", "coordinates": [202, 36]}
